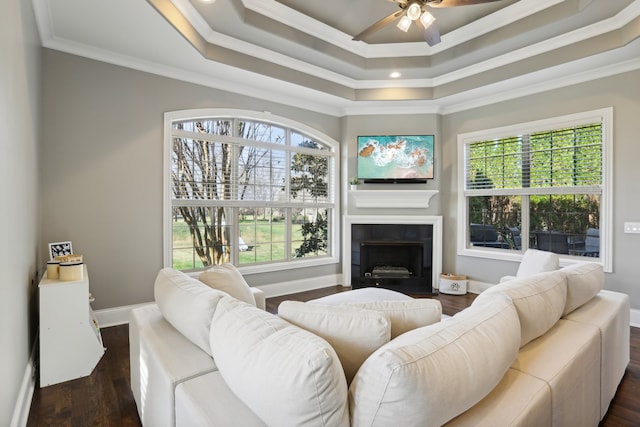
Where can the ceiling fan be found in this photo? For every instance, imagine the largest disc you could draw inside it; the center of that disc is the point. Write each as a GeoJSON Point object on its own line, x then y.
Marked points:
{"type": "Point", "coordinates": [416, 11]}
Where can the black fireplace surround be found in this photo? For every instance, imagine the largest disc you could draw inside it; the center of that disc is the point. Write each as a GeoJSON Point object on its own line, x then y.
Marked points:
{"type": "Point", "coordinates": [392, 256]}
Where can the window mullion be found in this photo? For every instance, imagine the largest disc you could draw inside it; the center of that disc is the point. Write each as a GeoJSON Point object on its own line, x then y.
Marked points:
{"type": "Point", "coordinates": [526, 161]}
{"type": "Point", "coordinates": [525, 206]}
{"type": "Point", "coordinates": [288, 231]}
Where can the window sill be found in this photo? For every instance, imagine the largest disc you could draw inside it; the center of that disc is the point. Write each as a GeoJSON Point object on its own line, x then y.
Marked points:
{"type": "Point", "coordinates": [302, 263]}
{"type": "Point", "coordinates": [516, 256]}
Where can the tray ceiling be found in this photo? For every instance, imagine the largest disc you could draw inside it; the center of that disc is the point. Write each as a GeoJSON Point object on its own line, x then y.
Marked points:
{"type": "Point", "coordinates": [302, 50]}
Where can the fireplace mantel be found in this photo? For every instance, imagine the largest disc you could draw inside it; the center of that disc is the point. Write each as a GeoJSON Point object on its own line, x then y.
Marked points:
{"type": "Point", "coordinates": [413, 198]}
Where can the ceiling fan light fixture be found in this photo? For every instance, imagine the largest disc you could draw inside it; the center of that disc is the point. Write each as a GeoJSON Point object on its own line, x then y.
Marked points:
{"type": "Point", "coordinates": [427, 19]}
{"type": "Point", "coordinates": [413, 11]}
{"type": "Point", "coordinates": [404, 23]}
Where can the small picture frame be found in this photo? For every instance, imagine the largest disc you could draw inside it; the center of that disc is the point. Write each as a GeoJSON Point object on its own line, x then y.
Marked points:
{"type": "Point", "coordinates": [59, 249]}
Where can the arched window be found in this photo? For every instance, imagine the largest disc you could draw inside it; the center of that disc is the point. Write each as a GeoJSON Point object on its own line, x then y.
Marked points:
{"type": "Point", "coordinates": [248, 188]}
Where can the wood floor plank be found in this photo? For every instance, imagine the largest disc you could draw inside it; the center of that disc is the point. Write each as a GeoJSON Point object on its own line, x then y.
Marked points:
{"type": "Point", "coordinates": [104, 398]}
{"type": "Point", "coordinates": [101, 399]}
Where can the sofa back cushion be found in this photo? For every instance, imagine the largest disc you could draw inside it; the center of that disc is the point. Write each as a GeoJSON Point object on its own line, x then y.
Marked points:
{"type": "Point", "coordinates": [227, 278]}
{"type": "Point", "coordinates": [539, 300]}
{"type": "Point", "coordinates": [584, 281]}
{"type": "Point", "coordinates": [187, 304]}
{"type": "Point", "coordinates": [286, 375]}
{"type": "Point", "coordinates": [429, 375]}
{"type": "Point", "coordinates": [406, 315]}
{"type": "Point", "coordinates": [354, 333]}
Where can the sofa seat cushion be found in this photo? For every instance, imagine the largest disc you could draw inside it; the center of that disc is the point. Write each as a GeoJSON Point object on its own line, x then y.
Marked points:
{"type": "Point", "coordinates": [584, 281]}
{"type": "Point", "coordinates": [519, 400]}
{"type": "Point", "coordinates": [354, 333]}
{"type": "Point", "coordinates": [160, 359]}
{"type": "Point", "coordinates": [187, 304]}
{"type": "Point", "coordinates": [286, 375]}
{"type": "Point", "coordinates": [207, 401]}
{"type": "Point", "coordinates": [610, 313]}
{"type": "Point", "coordinates": [567, 358]}
{"type": "Point", "coordinates": [227, 278]}
{"type": "Point", "coordinates": [429, 375]}
{"type": "Point", "coordinates": [539, 300]}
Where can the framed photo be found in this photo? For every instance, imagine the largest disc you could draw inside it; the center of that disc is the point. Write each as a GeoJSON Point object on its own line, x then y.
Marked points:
{"type": "Point", "coordinates": [59, 249]}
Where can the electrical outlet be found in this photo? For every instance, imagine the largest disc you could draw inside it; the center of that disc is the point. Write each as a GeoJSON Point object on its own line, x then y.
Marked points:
{"type": "Point", "coordinates": [632, 227]}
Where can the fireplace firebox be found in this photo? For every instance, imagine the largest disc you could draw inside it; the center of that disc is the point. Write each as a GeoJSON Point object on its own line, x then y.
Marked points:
{"type": "Point", "coordinates": [392, 256]}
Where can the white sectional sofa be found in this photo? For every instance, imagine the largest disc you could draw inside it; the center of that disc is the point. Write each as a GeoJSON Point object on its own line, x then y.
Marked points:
{"type": "Point", "coordinates": [543, 350]}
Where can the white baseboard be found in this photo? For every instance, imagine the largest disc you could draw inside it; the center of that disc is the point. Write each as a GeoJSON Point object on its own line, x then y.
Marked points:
{"type": "Point", "coordinates": [635, 318]}
{"type": "Point", "coordinates": [476, 287]}
{"type": "Point", "coordinates": [116, 316]}
{"type": "Point", "coordinates": [25, 396]}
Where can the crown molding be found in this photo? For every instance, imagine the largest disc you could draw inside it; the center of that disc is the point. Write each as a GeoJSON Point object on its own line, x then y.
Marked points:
{"type": "Point", "coordinates": [235, 81]}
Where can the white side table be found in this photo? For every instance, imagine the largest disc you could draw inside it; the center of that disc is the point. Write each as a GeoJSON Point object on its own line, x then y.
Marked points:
{"type": "Point", "coordinates": [70, 341]}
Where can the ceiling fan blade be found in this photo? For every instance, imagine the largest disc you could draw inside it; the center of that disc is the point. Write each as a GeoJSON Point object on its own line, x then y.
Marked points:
{"type": "Point", "coordinates": [452, 3]}
{"type": "Point", "coordinates": [431, 34]}
{"type": "Point", "coordinates": [381, 23]}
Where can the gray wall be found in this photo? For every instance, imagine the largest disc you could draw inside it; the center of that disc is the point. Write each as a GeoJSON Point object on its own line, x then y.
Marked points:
{"type": "Point", "coordinates": [103, 168]}
{"type": "Point", "coordinates": [102, 151]}
{"type": "Point", "coordinates": [19, 106]}
{"type": "Point", "coordinates": [621, 92]}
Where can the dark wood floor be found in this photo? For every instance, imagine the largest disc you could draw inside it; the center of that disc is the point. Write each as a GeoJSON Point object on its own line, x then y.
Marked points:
{"type": "Point", "coordinates": [104, 398]}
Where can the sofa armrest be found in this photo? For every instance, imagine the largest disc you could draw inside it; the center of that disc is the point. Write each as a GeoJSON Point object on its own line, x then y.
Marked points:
{"type": "Point", "coordinates": [261, 300]}
{"type": "Point", "coordinates": [161, 358]}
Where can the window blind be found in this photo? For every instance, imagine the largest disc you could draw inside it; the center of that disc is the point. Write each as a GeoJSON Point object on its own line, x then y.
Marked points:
{"type": "Point", "coordinates": [550, 161]}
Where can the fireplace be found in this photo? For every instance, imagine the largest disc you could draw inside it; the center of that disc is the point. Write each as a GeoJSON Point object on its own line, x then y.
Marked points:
{"type": "Point", "coordinates": [399, 253]}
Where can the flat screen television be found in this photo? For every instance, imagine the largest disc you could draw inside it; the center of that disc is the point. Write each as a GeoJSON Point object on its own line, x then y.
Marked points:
{"type": "Point", "coordinates": [395, 158]}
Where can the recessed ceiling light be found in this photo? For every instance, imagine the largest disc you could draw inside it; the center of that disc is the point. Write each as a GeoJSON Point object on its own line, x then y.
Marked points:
{"type": "Point", "coordinates": [208, 1]}
{"type": "Point", "coordinates": [395, 74]}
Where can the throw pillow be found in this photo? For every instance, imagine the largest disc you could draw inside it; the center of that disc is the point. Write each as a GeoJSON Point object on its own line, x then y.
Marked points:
{"type": "Point", "coordinates": [187, 304]}
{"type": "Point", "coordinates": [354, 333]}
{"type": "Point", "coordinates": [406, 315]}
{"type": "Point", "coordinates": [536, 261]}
{"type": "Point", "coordinates": [286, 375]}
{"type": "Point", "coordinates": [227, 278]}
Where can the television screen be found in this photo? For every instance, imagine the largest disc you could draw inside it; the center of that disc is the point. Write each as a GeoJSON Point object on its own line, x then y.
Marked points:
{"type": "Point", "coordinates": [395, 158]}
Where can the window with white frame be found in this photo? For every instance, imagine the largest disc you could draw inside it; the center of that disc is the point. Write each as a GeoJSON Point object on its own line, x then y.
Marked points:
{"type": "Point", "coordinates": [543, 185]}
{"type": "Point", "coordinates": [247, 188]}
